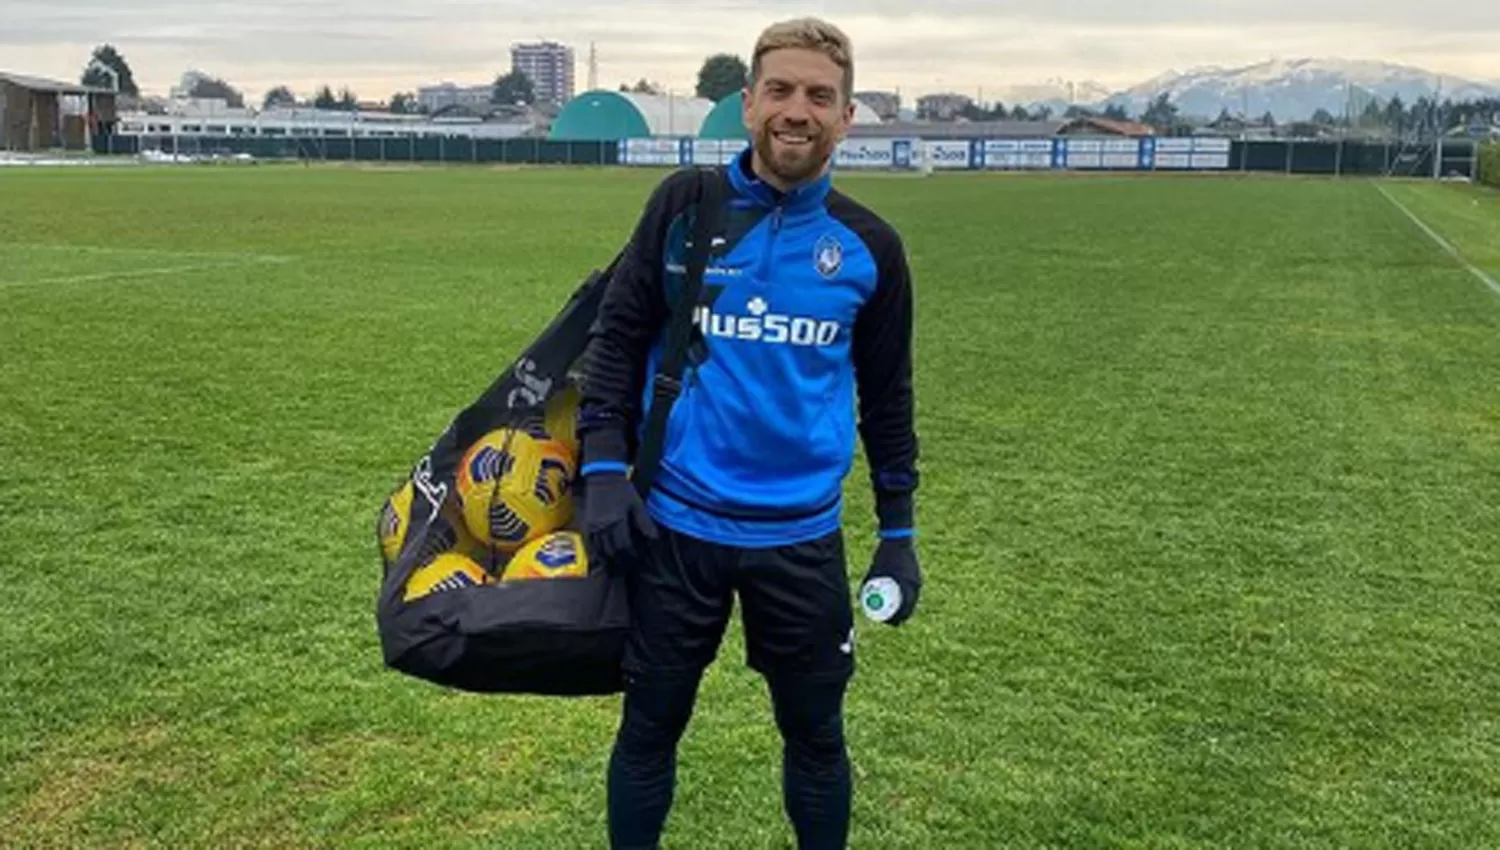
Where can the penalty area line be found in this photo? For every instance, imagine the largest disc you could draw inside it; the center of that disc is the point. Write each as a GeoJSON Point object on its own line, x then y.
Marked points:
{"type": "Point", "coordinates": [130, 273]}
{"type": "Point", "coordinates": [165, 253]}
{"type": "Point", "coordinates": [1484, 277]}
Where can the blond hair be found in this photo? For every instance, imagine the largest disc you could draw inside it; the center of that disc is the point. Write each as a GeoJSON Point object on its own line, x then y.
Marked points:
{"type": "Point", "coordinates": [807, 34]}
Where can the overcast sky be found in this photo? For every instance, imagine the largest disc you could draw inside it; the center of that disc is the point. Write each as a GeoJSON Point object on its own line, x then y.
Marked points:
{"type": "Point", "coordinates": [377, 47]}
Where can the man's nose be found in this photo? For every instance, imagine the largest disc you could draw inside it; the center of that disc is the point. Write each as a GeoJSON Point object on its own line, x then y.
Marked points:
{"type": "Point", "coordinates": [796, 110]}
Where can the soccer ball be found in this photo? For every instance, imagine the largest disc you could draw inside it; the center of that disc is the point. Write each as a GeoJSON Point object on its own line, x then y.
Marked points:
{"type": "Point", "coordinates": [447, 532]}
{"type": "Point", "coordinates": [557, 555]}
{"type": "Point", "coordinates": [514, 486]}
{"type": "Point", "coordinates": [448, 571]}
{"type": "Point", "coordinates": [562, 417]}
{"type": "Point", "coordinates": [557, 419]}
{"type": "Point", "coordinates": [395, 517]}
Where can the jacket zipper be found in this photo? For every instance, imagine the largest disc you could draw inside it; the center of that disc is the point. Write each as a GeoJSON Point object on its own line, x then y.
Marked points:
{"type": "Point", "coordinates": [765, 259]}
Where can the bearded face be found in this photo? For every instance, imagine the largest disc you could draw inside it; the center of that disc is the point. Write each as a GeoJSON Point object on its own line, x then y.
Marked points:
{"type": "Point", "coordinates": [796, 114]}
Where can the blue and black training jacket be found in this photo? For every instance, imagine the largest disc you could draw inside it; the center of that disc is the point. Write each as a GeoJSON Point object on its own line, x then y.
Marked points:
{"type": "Point", "coordinates": [805, 326]}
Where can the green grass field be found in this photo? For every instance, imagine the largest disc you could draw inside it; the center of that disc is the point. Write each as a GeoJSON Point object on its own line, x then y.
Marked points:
{"type": "Point", "coordinates": [1211, 517]}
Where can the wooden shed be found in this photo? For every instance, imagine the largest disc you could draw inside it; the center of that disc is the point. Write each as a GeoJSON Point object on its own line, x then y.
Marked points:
{"type": "Point", "coordinates": [38, 114]}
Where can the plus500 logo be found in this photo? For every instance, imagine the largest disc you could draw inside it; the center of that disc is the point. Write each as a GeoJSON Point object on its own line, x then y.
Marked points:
{"type": "Point", "coordinates": [771, 328]}
{"type": "Point", "coordinates": [864, 154]}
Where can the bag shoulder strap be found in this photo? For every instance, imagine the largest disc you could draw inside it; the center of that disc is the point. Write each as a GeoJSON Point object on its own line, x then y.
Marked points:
{"type": "Point", "coordinates": [667, 384]}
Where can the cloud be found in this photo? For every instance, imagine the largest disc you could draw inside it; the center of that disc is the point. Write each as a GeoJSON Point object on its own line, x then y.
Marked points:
{"type": "Point", "coordinates": [1224, 14]}
{"type": "Point", "coordinates": [942, 44]}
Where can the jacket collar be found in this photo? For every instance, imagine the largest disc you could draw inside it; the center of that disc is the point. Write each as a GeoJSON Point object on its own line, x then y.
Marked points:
{"type": "Point", "coordinates": [809, 195]}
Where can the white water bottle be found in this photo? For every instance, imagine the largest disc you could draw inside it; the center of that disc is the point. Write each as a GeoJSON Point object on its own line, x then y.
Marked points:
{"type": "Point", "coordinates": [880, 598]}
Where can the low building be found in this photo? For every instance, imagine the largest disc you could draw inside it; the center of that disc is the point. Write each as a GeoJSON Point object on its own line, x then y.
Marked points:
{"type": "Point", "coordinates": [944, 106]}
{"type": "Point", "coordinates": [1094, 126]}
{"type": "Point", "coordinates": [38, 114]}
{"type": "Point", "coordinates": [433, 98]}
{"type": "Point", "coordinates": [286, 122]}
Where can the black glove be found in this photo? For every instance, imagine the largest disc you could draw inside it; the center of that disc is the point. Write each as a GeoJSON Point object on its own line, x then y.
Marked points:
{"type": "Point", "coordinates": [615, 521]}
{"type": "Point", "coordinates": [897, 559]}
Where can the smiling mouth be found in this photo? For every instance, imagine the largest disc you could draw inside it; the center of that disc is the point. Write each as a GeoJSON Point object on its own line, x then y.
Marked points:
{"type": "Point", "coordinates": [794, 139]}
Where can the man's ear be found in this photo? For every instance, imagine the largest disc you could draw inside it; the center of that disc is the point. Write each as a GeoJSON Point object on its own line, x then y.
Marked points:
{"type": "Point", "coordinates": [848, 121]}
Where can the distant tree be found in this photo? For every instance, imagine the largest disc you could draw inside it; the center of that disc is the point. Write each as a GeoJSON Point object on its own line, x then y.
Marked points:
{"type": "Point", "coordinates": [1395, 114]}
{"type": "Point", "coordinates": [1076, 111]}
{"type": "Point", "coordinates": [1428, 116]}
{"type": "Point", "coordinates": [215, 88]}
{"type": "Point", "coordinates": [971, 111]}
{"type": "Point", "coordinates": [722, 75]}
{"type": "Point", "coordinates": [1116, 112]}
{"type": "Point", "coordinates": [1323, 118]}
{"type": "Point", "coordinates": [1019, 113]}
{"type": "Point", "coordinates": [347, 101]}
{"type": "Point", "coordinates": [1043, 113]}
{"type": "Point", "coordinates": [1460, 113]}
{"type": "Point", "coordinates": [107, 55]}
{"type": "Point", "coordinates": [1447, 114]}
{"type": "Point", "coordinates": [1471, 112]}
{"type": "Point", "coordinates": [1224, 119]}
{"type": "Point", "coordinates": [644, 86]}
{"type": "Point", "coordinates": [513, 88]}
{"type": "Point", "coordinates": [403, 103]}
{"type": "Point", "coordinates": [1268, 120]}
{"type": "Point", "coordinates": [279, 96]}
{"type": "Point", "coordinates": [1162, 112]}
{"type": "Point", "coordinates": [996, 112]}
{"type": "Point", "coordinates": [325, 99]}
{"type": "Point", "coordinates": [95, 76]}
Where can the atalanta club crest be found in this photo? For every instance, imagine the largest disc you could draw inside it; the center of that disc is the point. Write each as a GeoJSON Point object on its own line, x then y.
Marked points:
{"type": "Point", "coordinates": [828, 256]}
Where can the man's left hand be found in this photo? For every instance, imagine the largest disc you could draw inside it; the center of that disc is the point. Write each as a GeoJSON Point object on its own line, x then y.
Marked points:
{"type": "Point", "coordinates": [897, 559]}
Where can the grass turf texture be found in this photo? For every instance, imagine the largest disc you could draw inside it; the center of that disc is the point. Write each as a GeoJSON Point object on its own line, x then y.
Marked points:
{"type": "Point", "coordinates": [1210, 519]}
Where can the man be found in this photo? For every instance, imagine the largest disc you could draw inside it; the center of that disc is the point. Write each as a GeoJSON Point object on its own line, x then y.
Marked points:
{"type": "Point", "coordinates": [807, 310]}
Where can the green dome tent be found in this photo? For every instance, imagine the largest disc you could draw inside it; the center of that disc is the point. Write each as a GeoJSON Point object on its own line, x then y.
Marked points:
{"type": "Point", "coordinates": [603, 115]}
{"type": "Point", "coordinates": [725, 120]}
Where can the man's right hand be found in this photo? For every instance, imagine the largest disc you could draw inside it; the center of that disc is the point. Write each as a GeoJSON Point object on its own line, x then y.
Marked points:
{"type": "Point", "coordinates": [615, 521]}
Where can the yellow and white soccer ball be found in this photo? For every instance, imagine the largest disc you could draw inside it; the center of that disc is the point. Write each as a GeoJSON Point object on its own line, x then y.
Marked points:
{"type": "Point", "coordinates": [560, 554]}
{"type": "Point", "coordinates": [448, 571]}
{"type": "Point", "coordinates": [448, 531]}
{"type": "Point", "coordinates": [562, 417]}
{"type": "Point", "coordinates": [395, 519]}
{"type": "Point", "coordinates": [557, 418]}
{"type": "Point", "coordinates": [514, 486]}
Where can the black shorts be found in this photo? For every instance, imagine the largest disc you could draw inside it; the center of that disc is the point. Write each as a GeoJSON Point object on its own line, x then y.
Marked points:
{"type": "Point", "coordinates": [795, 604]}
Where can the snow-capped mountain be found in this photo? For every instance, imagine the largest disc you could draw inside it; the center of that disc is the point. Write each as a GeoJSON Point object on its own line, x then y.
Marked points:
{"type": "Point", "coordinates": [1294, 89]}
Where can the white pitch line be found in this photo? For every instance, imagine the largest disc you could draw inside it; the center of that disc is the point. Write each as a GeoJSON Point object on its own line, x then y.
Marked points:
{"type": "Point", "coordinates": [1483, 276]}
{"type": "Point", "coordinates": [148, 252]}
{"type": "Point", "coordinates": [123, 273]}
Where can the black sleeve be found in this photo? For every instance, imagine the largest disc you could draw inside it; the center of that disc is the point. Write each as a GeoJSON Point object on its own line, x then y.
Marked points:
{"type": "Point", "coordinates": [631, 314]}
{"type": "Point", "coordinates": [883, 372]}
